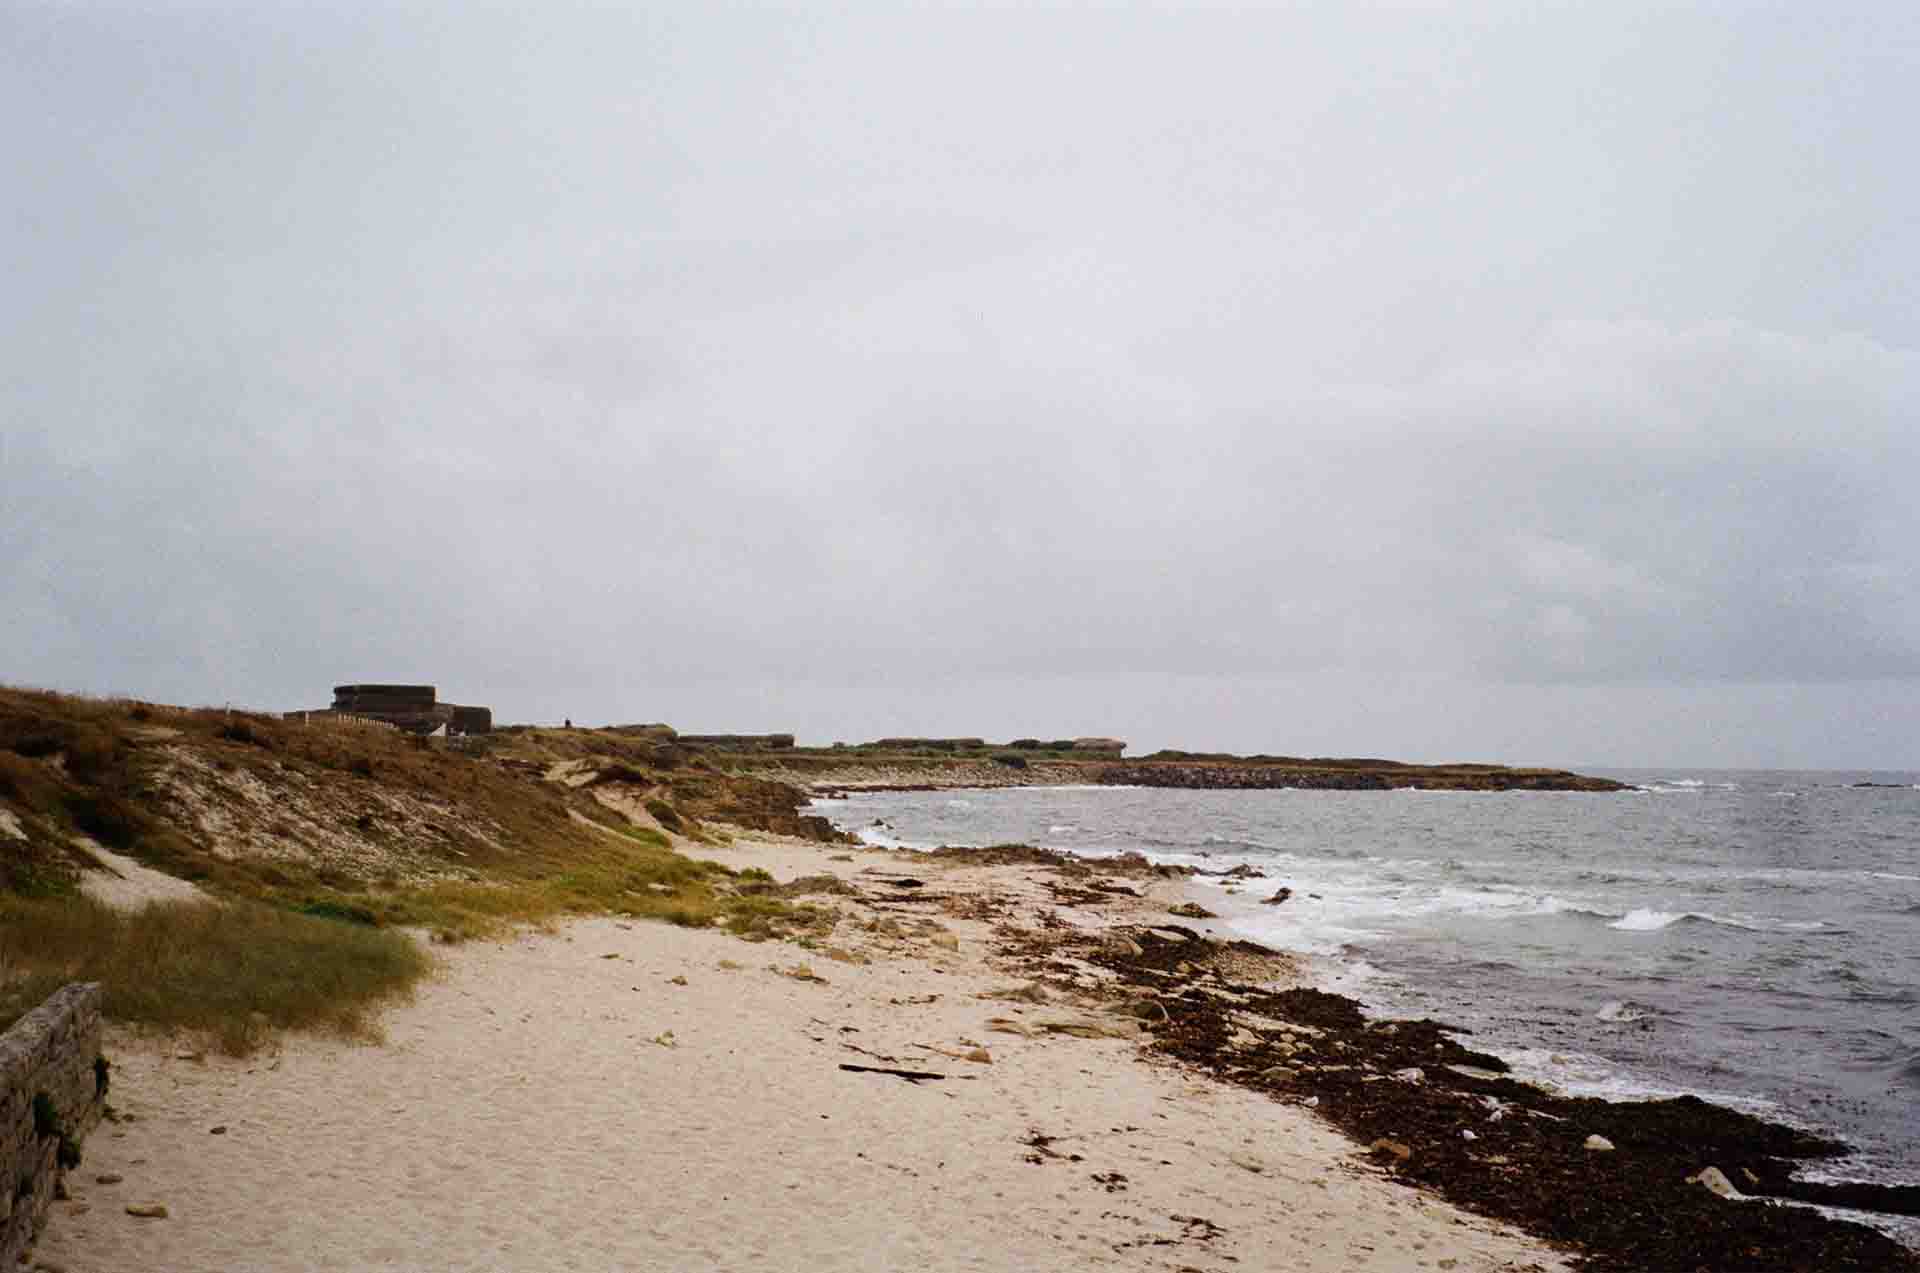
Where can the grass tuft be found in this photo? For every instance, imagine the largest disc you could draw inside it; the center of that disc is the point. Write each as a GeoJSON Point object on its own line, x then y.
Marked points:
{"type": "Point", "coordinates": [234, 973]}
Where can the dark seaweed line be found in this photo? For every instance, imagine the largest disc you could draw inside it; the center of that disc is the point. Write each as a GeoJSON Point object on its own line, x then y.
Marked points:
{"type": "Point", "coordinates": [1630, 1208]}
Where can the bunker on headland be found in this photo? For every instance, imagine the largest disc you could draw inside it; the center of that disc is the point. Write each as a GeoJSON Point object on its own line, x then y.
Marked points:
{"type": "Point", "coordinates": [413, 708]}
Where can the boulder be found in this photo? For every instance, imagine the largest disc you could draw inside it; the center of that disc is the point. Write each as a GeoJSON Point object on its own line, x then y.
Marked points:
{"type": "Point", "coordinates": [1716, 1181]}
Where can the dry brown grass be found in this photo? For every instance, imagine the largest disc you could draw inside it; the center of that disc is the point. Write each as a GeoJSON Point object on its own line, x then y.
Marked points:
{"type": "Point", "coordinates": [233, 973]}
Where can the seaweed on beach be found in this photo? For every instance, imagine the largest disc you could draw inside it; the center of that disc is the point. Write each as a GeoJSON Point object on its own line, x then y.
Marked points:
{"type": "Point", "coordinates": [1615, 1181]}
{"type": "Point", "coordinates": [1618, 1183]}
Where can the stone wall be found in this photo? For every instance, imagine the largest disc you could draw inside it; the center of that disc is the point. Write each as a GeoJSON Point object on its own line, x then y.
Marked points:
{"type": "Point", "coordinates": [51, 1095]}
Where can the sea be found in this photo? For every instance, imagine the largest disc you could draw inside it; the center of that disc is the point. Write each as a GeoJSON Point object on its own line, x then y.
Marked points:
{"type": "Point", "coordinates": [1751, 937]}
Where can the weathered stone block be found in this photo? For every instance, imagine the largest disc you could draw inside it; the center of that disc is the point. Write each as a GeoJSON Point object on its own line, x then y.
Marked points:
{"type": "Point", "coordinates": [50, 1095]}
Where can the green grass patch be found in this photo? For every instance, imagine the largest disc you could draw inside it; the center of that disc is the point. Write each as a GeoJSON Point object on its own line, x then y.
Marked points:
{"type": "Point", "coordinates": [236, 974]}
{"type": "Point", "coordinates": [642, 879]}
{"type": "Point", "coordinates": [647, 836]}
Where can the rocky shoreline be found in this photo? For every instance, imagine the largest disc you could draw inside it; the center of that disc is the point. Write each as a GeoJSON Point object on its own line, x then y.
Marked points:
{"type": "Point", "coordinates": [1633, 1185]}
{"type": "Point", "coordinates": [1250, 775]}
{"type": "Point", "coordinates": [826, 774]}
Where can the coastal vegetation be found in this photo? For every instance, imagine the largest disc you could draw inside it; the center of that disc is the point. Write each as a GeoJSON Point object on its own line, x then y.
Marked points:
{"type": "Point", "coordinates": [234, 974]}
{"type": "Point", "coordinates": [322, 851]}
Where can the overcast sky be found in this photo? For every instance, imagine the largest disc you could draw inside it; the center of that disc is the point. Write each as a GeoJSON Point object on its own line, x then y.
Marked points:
{"type": "Point", "coordinates": [1518, 382]}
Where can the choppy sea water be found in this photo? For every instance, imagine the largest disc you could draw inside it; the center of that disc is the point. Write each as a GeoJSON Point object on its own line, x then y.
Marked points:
{"type": "Point", "coordinates": [1752, 937]}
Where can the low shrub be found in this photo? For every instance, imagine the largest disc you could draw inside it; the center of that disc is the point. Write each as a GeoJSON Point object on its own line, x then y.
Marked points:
{"type": "Point", "coordinates": [37, 745]}
{"type": "Point", "coordinates": [665, 814]}
{"type": "Point", "coordinates": [241, 731]}
{"type": "Point", "coordinates": [106, 817]}
{"type": "Point", "coordinates": [347, 912]}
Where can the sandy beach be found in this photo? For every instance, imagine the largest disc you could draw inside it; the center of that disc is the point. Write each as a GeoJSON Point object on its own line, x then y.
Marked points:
{"type": "Point", "coordinates": [619, 1094]}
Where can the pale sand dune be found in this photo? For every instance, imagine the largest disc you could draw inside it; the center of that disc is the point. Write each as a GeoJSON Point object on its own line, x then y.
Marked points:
{"type": "Point", "coordinates": [126, 885]}
{"type": "Point", "coordinates": [522, 1117]}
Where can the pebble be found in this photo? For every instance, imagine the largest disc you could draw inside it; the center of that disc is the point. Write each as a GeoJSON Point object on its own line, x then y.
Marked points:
{"type": "Point", "coordinates": [221, 1130]}
{"type": "Point", "coordinates": [147, 1210]}
{"type": "Point", "coordinates": [108, 1178]}
{"type": "Point", "coordinates": [1599, 1144]}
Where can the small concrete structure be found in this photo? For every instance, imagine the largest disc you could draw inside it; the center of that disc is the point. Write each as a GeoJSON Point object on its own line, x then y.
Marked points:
{"type": "Point", "coordinates": [413, 708]}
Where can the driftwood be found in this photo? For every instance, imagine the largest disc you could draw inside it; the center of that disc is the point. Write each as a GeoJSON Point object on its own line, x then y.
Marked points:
{"type": "Point", "coordinates": [878, 1056]}
{"type": "Point", "coordinates": [911, 1076]}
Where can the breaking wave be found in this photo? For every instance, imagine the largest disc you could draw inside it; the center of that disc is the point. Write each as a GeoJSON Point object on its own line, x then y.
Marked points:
{"type": "Point", "coordinates": [1620, 1010]}
{"type": "Point", "coordinates": [1643, 919]}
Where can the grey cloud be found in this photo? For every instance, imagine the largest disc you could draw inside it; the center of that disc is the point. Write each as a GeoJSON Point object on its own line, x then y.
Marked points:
{"type": "Point", "coordinates": [1390, 379]}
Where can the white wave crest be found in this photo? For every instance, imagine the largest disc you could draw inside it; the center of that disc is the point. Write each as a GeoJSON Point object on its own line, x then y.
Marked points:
{"type": "Point", "coordinates": [1646, 920]}
{"type": "Point", "coordinates": [1642, 920]}
{"type": "Point", "coordinates": [1619, 1010]}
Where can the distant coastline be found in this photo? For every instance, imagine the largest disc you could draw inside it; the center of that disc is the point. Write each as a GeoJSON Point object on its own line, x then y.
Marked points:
{"type": "Point", "coordinates": [862, 769]}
